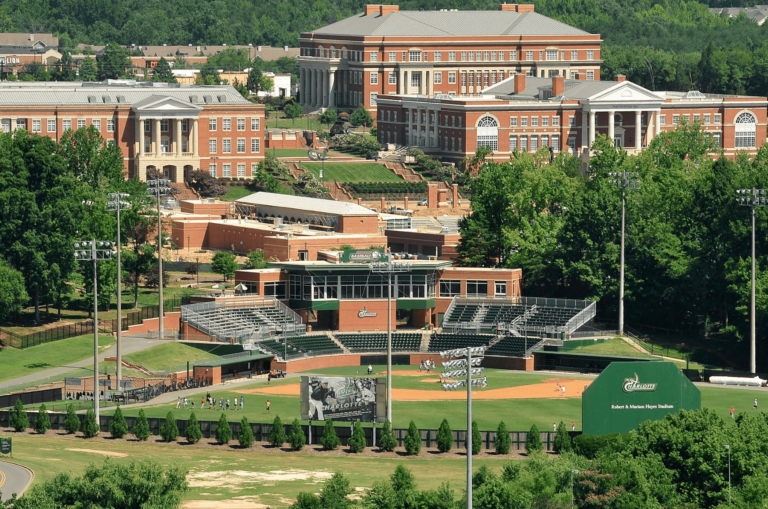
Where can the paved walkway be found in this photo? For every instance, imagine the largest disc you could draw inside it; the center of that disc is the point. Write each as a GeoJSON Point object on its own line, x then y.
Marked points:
{"type": "Point", "coordinates": [13, 479]}
{"type": "Point", "coordinates": [130, 344]}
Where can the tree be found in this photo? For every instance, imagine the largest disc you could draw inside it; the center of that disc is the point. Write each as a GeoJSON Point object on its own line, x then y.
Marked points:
{"type": "Point", "coordinates": [223, 431]}
{"type": "Point", "coordinates": [255, 260]}
{"type": "Point", "coordinates": [204, 184]}
{"type": "Point", "coordinates": [502, 440]}
{"type": "Point", "coordinates": [254, 79]}
{"type": "Point", "coordinates": [152, 279]}
{"type": "Point", "coordinates": [413, 439]}
{"type": "Point", "coordinates": [533, 442]}
{"type": "Point", "coordinates": [357, 440]}
{"type": "Point", "coordinates": [118, 428]}
{"type": "Point", "coordinates": [361, 117]}
{"type": "Point", "coordinates": [88, 70]}
{"type": "Point", "coordinates": [562, 441]}
{"type": "Point", "coordinates": [245, 434]}
{"type": "Point", "coordinates": [141, 428]}
{"type": "Point", "coordinates": [193, 432]}
{"type": "Point", "coordinates": [90, 427]}
{"type": "Point", "coordinates": [444, 437]}
{"type": "Point", "coordinates": [277, 433]}
{"type": "Point", "coordinates": [477, 440]}
{"type": "Point", "coordinates": [329, 440]}
{"type": "Point", "coordinates": [71, 421]}
{"type": "Point", "coordinates": [19, 421]}
{"type": "Point", "coordinates": [387, 440]}
{"type": "Point", "coordinates": [163, 72]}
{"type": "Point", "coordinates": [13, 294]}
{"type": "Point", "coordinates": [209, 74]}
{"type": "Point", "coordinates": [64, 71]}
{"type": "Point", "coordinates": [169, 430]}
{"type": "Point", "coordinates": [113, 63]}
{"type": "Point", "coordinates": [336, 491]}
{"type": "Point", "coordinates": [42, 421]}
{"type": "Point", "coordinates": [328, 117]}
{"type": "Point", "coordinates": [296, 436]}
{"type": "Point", "coordinates": [224, 263]}
{"type": "Point", "coordinates": [293, 111]}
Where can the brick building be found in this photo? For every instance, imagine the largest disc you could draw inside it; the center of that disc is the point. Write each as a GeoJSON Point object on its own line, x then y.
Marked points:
{"type": "Point", "coordinates": [384, 50]}
{"type": "Point", "coordinates": [526, 113]}
{"type": "Point", "coordinates": [176, 128]}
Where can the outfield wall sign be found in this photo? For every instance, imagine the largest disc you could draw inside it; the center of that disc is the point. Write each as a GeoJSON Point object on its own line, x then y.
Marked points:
{"type": "Point", "coordinates": [343, 398]}
{"type": "Point", "coordinates": [6, 446]}
{"type": "Point", "coordinates": [629, 393]}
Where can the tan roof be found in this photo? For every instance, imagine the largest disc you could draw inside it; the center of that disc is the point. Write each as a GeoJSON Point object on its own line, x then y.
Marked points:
{"type": "Point", "coordinates": [264, 52]}
{"type": "Point", "coordinates": [27, 39]}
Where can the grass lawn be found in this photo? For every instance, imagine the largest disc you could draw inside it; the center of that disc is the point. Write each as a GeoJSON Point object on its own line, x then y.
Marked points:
{"type": "Point", "coordinates": [237, 192]}
{"type": "Point", "coordinates": [619, 347]}
{"type": "Point", "coordinates": [15, 363]}
{"type": "Point", "coordinates": [288, 152]}
{"type": "Point", "coordinates": [301, 123]}
{"type": "Point", "coordinates": [168, 355]}
{"type": "Point", "coordinates": [226, 473]}
{"type": "Point", "coordinates": [353, 172]}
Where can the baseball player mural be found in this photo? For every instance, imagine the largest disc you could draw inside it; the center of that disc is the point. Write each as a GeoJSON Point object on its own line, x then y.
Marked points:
{"type": "Point", "coordinates": [339, 398]}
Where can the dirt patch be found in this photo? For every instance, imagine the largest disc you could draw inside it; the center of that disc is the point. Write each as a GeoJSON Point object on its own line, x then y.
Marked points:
{"type": "Point", "coordinates": [223, 504]}
{"type": "Point", "coordinates": [237, 479]}
{"type": "Point", "coordinates": [103, 453]}
{"type": "Point", "coordinates": [436, 381]}
{"type": "Point", "coordinates": [406, 373]}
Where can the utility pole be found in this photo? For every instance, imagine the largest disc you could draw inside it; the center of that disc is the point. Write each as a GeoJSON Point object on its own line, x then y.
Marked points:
{"type": "Point", "coordinates": [623, 180]}
{"type": "Point", "coordinates": [157, 189]}
{"type": "Point", "coordinates": [116, 203]}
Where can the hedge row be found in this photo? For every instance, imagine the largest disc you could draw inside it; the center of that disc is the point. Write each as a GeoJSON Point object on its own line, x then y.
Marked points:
{"type": "Point", "coordinates": [388, 187]}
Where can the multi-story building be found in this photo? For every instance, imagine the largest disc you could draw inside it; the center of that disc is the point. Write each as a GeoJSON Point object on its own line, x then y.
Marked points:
{"type": "Point", "coordinates": [176, 128]}
{"type": "Point", "coordinates": [526, 113]}
{"type": "Point", "coordinates": [384, 50]}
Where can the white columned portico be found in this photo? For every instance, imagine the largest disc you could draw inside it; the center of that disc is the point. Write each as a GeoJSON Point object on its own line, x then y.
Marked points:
{"type": "Point", "coordinates": [584, 131]}
{"type": "Point", "coordinates": [177, 136]}
{"type": "Point", "coordinates": [611, 125]}
{"type": "Point", "coordinates": [141, 137]}
{"type": "Point", "coordinates": [657, 123]}
{"type": "Point", "coordinates": [195, 136]}
{"type": "Point", "coordinates": [591, 128]}
{"type": "Point", "coordinates": [156, 135]}
{"type": "Point", "coordinates": [331, 84]}
{"type": "Point", "coordinates": [638, 130]}
{"type": "Point", "coordinates": [326, 78]}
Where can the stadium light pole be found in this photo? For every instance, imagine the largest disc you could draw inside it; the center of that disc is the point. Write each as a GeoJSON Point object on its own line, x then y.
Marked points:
{"type": "Point", "coordinates": [728, 449]}
{"type": "Point", "coordinates": [574, 472]}
{"type": "Point", "coordinates": [623, 180]}
{"type": "Point", "coordinates": [95, 251]}
{"type": "Point", "coordinates": [465, 368]}
{"type": "Point", "coordinates": [157, 189]}
{"type": "Point", "coordinates": [116, 203]}
{"type": "Point", "coordinates": [389, 267]}
{"type": "Point", "coordinates": [752, 198]}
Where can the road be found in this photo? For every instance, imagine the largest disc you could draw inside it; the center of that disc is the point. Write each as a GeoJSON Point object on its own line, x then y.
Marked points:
{"type": "Point", "coordinates": [13, 479]}
{"type": "Point", "coordinates": [130, 344]}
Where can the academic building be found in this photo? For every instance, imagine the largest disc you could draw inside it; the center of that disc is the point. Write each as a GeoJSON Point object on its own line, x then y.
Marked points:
{"type": "Point", "coordinates": [384, 50]}
{"type": "Point", "coordinates": [176, 128]}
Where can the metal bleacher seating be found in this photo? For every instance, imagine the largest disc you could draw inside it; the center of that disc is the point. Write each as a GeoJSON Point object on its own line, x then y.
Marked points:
{"type": "Point", "coordinates": [443, 341]}
{"type": "Point", "coordinates": [512, 346]}
{"type": "Point", "coordinates": [314, 344]}
{"type": "Point", "coordinates": [366, 342]}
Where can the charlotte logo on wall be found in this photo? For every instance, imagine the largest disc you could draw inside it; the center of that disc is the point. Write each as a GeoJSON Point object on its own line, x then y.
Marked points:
{"type": "Point", "coordinates": [634, 385]}
{"type": "Point", "coordinates": [364, 313]}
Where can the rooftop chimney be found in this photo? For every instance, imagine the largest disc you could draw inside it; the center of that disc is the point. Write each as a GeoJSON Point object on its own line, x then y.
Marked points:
{"type": "Point", "coordinates": [285, 48]}
{"type": "Point", "coordinates": [519, 83]}
{"type": "Point", "coordinates": [372, 9]}
{"type": "Point", "coordinates": [507, 7]}
{"type": "Point", "coordinates": [517, 7]}
{"type": "Point", "coordinates": [386, 9]}
{"type": "Point", "coordinates": [620, 78]}
{"type": "Point", "coordinates": [558, 85]}
{"type": "Point", "coordinates": [32, 37]}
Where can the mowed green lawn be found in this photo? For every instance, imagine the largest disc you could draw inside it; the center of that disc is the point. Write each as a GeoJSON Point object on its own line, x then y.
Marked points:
{"type": "Point", "coordinates": [235, 193]}
{"type": "Point", "coordinates": [251, 478]}
{"type": "Point", "coordinates": [353, 172]}
{"type": "Point", "coordinates": [289, 152]}
{"type": "Point", "coordinates": [168, 355]}
{"type": "Point", "coordinates": [619, 347]}
{"type": "Point", "coordinates": [15, 363]}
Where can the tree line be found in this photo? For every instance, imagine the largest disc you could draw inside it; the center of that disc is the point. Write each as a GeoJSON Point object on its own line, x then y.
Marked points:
{"type": "Point", "coordinates": [688, 242]}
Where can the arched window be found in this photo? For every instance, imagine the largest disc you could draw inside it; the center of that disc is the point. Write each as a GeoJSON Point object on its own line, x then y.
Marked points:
{"type": "Point", "coordinates": [488, 133]}
{"type": "Point", "coordinates": [618, 119]}
{"type": "Point", "coordinates": [746, 127]}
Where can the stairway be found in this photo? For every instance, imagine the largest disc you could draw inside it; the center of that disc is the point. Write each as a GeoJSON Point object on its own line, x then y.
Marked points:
{"type": "Point", "coordinates": [184, 192]}
{"type": "Point", "coordinates": [336, 340]}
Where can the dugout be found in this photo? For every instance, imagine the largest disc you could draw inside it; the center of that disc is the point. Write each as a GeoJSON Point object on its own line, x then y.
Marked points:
{"type": "Point", "coordinates": [629, 393]}
{"type": "Point", "coordinates": [579, 362]}
{"type": "Point", "coordinates": [215, 371]}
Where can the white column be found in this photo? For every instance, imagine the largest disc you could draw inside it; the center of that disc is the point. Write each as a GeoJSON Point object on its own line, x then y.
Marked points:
{"type": "Point", "coordinates": [301, 86]}
{"type": "Point", "coordinates": [426, 129]}
{"type": "Point", "coordinates": [177, 136]}
{"type": "Point", "coordinates": [611, 122]}
{"type": "Point", "coordinates": [657, 122]}
{"type": "Point", "coordinates": [325, 88]}
{"type": "Point", "coordinates": [194, 137]}
{"type": "Point", "coordinates": [584, 132]}
{"type": "Point", "coordinates": [591, 129]}
{"type": "Point", "coordinates": [141, 136]}
{"type": "Point", "coordinates": [156, 136]}
{"type": "Point", "coordinates": [638, 130]}
{"type": "Point", "coordinates": [331, 91]}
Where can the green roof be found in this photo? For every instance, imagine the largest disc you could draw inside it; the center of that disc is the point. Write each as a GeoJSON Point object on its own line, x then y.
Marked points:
{"type": "Point", "coordinates": [216, 362]}
{"type": "Point", "coordinates": [600, 356]}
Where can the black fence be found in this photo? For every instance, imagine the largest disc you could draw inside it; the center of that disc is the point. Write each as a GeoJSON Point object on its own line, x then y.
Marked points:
{"type": "Point", "coordinates": [86, 327]}
{"type": "Point", "coordinates": [32, 397]}
{"type": "Point", "coordinates": [261, 431]}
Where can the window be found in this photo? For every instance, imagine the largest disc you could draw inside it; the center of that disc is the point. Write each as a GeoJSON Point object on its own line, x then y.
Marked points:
{"type": "Point", "coordinates": [374, 98]}
{"type": "Point", "coordinates": [675, 119]}
{"type": "Point", "coordinates": [488, 133]}
{"type": "Point", "coordinates": [438, 78]}
{"type": "Point", "coordinates": [534, 143]}
{"type": "Point", "coordinates": [716, 139]}
{"type": "Point", "coordinates": [450, 288]}
{"type": "Point", "coordinates": [374, 78]}
{"type": "Point", "coordinates": [226, 170]}
{"type": "Point", "coordinates": [555, 121]}
{"type": "Point", "coordinates": [590, 75]}
{"type": "Point", "coordinates": [572, 146]}
{"type": "Point", "coordinates": [541, 57]}
{"type": "Point", "coordinates": [110, 126]}
{"type": "Point", "coordinates": [241, 145]}
{"type": "Point", "coordinates": [486, 56]}
{"type": "Point", "coordinates": [241, 124]}
{"type": "Point", "coordinates": [254, 168]}
{"type": "Point", "coordinates": [463, 79]}
{"type": "Point", "coordinates": [574, 55]}
{"type": "Point", "coordinates": [255, 145]}
{"type": "Point", "coordinates": [590, 54]}
{"type": "Point", "coordinates": [512, 121]}
{"type": "Point", "coordinates": [23, 124]}
{"type": "Point", "coordinates": [226, 146]}
{"type": "Point", "coordinates": [374, 56]}
{"type": "Point", "coordinates": [414, 56]}
{"type": "Point", "coordinates": [552, 54]}
{"type": "Point", "coordinates": [572, 121]}
{"type": "Point", "coordinates": [493, 56]}
{"type": "Point", "coordinates": [393, 78]}
{"type": "Point", "coordinates": [529, 55]}
{"type": "Point", "coordinates": [544, 121]}
{"type": "Point", "coordinates": [697, 118]}
{"type": "Point", "coordinates": [513, 55]}
{"type": "Point", "coordinates": [544, 140]}
{"type": "Point", "coordinates": [486, 79]}
{"type": "Point", "coordinates": [147, 145]}
{"type": "Point", "coordinates": [67, 125]}
{"type": "Point", "coordinates": [405, 56]}
{"type": "Point", "coordinates": [416, 80]}
{"type": "Point", "coordinates": [393, 56]}
{"type": "Point", "coordinates": [163, 126]}
{"type": "Point", "coordinates": [37, 126]}
{"type": "Point", "coordinates": [555, 143]}
{"type": "Point", "coordinates": [226, 124]}
{"type": "Point", "coordinates": [211, 124]}
{"type": "Point", "coordinates": [534, 121]}
{"type": "Point", "coordinates": [51, 126]}
{"type": "Point", "coordinates": [707, 119]}
{"type": "Point", "coordinates": [438, 56]}
{"type": "Point", "coordinates": [523, 121]}
{"type": "Point", "coordinates": [425, 56]}
{"type": "Point", "coordinates": [746, 127]}
{"type": "Point", "coordinates": [184, 144]}
{"type": "Point", "coordinates": [255, 124]}
{"type": "Point", "coordinates": [463, 56]}
{"type": "Point", "coordinates": [717, 118]}
{"type": "Point", "coordinates": [662, 119]}
{"type": "Point", "coordinates": [165, 146]}
{"type": "Point", "coordinates": [451, 56]}
{"type": "Point", "coordinates": [96, 124]}
{"type": "Point", "coordinates": [501, 288]}
{"type": "Point", "coordinates": [512, 143]}
{"type": "Point", "coordinates": [184, 126]}
{"type": "Point", "coordinates": [241, 170]}
{"type": "Point", "coordinates": [212, 146]}
{"type": "Point", "coordinates": [212, 169]}
{"type": "Point", "coordinates": [451, 78]}
{"type": "Point", "coordinates": [471, 56]}
{"type": "Point", "coordinates": [477, 288]}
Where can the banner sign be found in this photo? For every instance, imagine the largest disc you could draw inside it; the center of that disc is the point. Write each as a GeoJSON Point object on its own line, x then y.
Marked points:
{"type": "Point", "coordinates": [73, 381]}
{"type": "Point", "coordinates": [341, 398]}
{"type": "Point", "coordinates": [362, 255]}
{"type": "Point", "coordinates": [6, 446]}
{"type": "Point", "coordinates": [126, 384]}
{"type": "Point", "coordinates": [104, 383]}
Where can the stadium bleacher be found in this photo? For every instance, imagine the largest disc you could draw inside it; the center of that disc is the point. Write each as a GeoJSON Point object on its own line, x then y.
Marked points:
{"type": "Point", "coordinates": [511, 346]}
{"type": "Point", "coordinates": [314, 344]}
{"type": "Point", "coordinates": [366, 342]}
{"type": "Point", "coordinates": [444, 341]}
